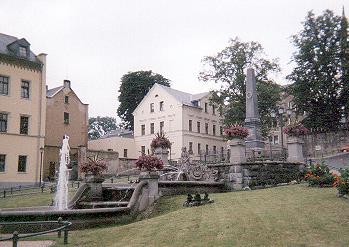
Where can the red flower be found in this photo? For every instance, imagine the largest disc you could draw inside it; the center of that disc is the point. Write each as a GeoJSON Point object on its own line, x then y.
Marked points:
{"type": "Point", "coordinates": [149, 162]}
{"type": "Point", "coordinates": [296, 130]}
{"type": "Point", "coordinates": [236, 131]}
{"type": "Point", "coordinates": [160, 140]}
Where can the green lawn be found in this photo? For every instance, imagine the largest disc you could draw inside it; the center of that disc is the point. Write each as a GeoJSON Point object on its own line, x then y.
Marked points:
{"type": "Point", "coordinates": [292, 216]}
{"type": "Point", "coordinates": [32, 200]}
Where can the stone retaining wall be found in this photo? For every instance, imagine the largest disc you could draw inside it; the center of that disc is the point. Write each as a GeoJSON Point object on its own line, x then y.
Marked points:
{"type": "Point", "coordinates": [186, 187]}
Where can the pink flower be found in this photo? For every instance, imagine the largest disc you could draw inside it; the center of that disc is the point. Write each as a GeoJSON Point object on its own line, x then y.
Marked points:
{"type": "Point", "coordinates": [296, 130]}
{"type": "Point", "coordinates": [236, 131]}
{"type": "Point", "coordinates": [149, 162]}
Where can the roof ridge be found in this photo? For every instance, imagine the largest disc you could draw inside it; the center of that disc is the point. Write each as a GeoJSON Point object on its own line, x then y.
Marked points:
{"type": "Point", "coordinates": [8, 35]}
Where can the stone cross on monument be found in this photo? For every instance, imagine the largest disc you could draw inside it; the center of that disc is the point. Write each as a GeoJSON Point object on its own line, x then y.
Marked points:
{"type": "Point", "coordinates": [252, 121]}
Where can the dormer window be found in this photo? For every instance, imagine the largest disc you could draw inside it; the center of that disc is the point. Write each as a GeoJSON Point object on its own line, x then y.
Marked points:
{"type": "Point", "coordinates": [22, 51]}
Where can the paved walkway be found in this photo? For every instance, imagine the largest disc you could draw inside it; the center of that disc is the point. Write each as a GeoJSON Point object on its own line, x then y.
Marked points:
{"type": "Point", "coordinates": [25, 243]}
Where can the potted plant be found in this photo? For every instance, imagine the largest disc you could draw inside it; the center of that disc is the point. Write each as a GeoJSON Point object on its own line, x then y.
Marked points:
{"type": "Point", "coordinates": [296, 130]}
{"type": "Point", "coordinates": [93, 169]}
{"type": "Point", "coordinates": [149, 163]}
{"type": "Point", "coordinates": [236, 135]}
{"type": "Point", "coordinates": [294, 142]}
{"type": "Point", "coordinates": [160, 141]}
{"type": "Point", "coordinates": [236, 132]}
{"type": "Point", "coordinates": [160, 145]}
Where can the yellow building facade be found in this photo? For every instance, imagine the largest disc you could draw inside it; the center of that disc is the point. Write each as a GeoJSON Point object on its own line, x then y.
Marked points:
{"type": "Point", "coordinates": [22, 111]}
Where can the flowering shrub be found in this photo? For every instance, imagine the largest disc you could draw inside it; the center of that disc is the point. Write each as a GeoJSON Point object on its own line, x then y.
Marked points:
{"type": "Point", "coordinates": [149, 162]}
{"type": "Point", "coordinates": [342, 182]}
{"type": "Point", "coordinates": [296, 130]}
{"type": "Point", "coordinates": [236, 131]}
{"type": "Point", "coordinates": [94, 165]}
{"type": "Point", "coordinates": [319, 175]}
{"type": "Point", "coordinates": [160, 140]}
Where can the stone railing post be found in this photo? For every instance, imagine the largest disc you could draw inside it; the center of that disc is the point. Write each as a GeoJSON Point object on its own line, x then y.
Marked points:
{"type": "Point", "coordinates": [152, 178]}
{"type": "Point", "coordinates": [162, 154]}
{"type": "Point", "coordinates": [295, 149]}
{"type": "Point", "coordinates": [237, 156]}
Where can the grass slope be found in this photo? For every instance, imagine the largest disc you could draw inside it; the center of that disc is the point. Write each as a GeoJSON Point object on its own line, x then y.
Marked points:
{"type": "Point", "coordinates": [283, 216]}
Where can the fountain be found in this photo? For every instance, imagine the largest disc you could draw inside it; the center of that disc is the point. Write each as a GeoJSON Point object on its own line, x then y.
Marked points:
{"type": "Point", "coordinates": [61, 199]}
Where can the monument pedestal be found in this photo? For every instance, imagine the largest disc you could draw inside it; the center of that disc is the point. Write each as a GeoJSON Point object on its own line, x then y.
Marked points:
{"type": "Point", "coordinates": [295, 149]}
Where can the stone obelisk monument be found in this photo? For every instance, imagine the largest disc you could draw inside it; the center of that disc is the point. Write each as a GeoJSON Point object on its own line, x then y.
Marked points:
{"type": "Point", "coordinates": [252, 122]}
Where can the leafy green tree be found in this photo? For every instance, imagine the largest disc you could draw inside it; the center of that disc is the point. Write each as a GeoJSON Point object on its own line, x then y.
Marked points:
{"type": "Point", "coordinates": [228, 69]}
{"type": "Point", "coordinates": [319, 86]}
{"type": "Point", "coordinates": [134, 86]}
{"type": "Point", "coordinates": [99, 126]}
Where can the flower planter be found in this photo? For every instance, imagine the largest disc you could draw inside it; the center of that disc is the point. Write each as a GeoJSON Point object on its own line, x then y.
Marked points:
{"type": "Point", "coordinates": [152, 177]}
{"type": "Point", "coordinates": [94, 182]}
{"type": "Point", "coordinates": [93, 178]}
{"type": "Point", "coordinates": [162, 154]}
{"type": "Point", "coordinates": [295, 149]}
{"type": "Point", "coordinates": [237, 151]}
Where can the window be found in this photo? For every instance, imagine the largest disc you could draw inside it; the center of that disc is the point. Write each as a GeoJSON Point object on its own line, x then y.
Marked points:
{"type": "Point", "coordinates": [214, 149]}
{"type": "Point", "coordinates": [206, 128]}
{"type": "Point", "coordinates": [190, 125]}
{"type": "Point", "coordinates": [222, 152]}
{"type": "Point", "coordinates": [206, 149]}
{"type": "Point", "coordinates": [214, 130]}
{"type": "Point", "coordinates": [221, 130]}
{"type": "Point", "coordinates": [276, 140]}
{"type": "Point", "coordinates": [198, 127]}
{"type": "Point", "coordinates": [66, 99]}
{"type": "Point", "coordinates": [143, 149]}
{"type": "Point", "coordinates": [151, 107]}
{"type": "Point", "coordinates": [2, 162]}
{"type": "Point", "coordinates": [66, 117]}
{"type": "Point", "coordinates": [143, 129]}
{"type": "Point", "coordinates": [25, 89]}
{"type": "Point", "coordinates": [161, 105]}
{"type": "Point", "coordinates": [22, 51]}
{"type": "Point", "coordinates": [125, 153]}
{"type": "Point", "coordinates": [24, 125]}
{"type": "Point", "coordinates": [190, 147]}
{"type": "Point", "coordinates": [110, 150]}
{"type": "Point", "coordinates": [22, 163]}
{"type": "Point", "coordinates": [151, 128]}
{"type": "Point", "coordinates": [162, 127]}
{"type": "Point", "coordinates": [213, 110]}
{"type": "Point", "coordinates": [206, 106]}
{"type": "Point", "coordinates": [3, 122]}
{"type": "Point", "coordinates": [3, 85]}
{"type": "Point", "coordinates": [199, 148]}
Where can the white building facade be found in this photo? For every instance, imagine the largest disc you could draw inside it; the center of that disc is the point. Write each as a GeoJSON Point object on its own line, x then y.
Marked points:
{"type": "Point", "coordinates": [188, 120]}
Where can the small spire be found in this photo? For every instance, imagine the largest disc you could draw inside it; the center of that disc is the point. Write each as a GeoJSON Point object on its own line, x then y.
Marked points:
{"type": "Point", "coordinates": [343, 13]}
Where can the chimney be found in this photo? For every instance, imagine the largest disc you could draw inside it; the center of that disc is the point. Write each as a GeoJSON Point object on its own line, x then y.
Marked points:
{"type": "Point", "coordinates": [66, 84]}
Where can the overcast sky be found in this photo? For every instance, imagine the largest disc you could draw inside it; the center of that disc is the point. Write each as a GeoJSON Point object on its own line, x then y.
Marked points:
{"type": "Point", "coordinates": [94, 43]}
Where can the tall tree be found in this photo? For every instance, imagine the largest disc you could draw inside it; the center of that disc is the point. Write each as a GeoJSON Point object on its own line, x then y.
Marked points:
{"type": "Point", "coordinates": [134, 86]}
{"type": "Point", "coordinates": [99, 126]}
{"type": "Point", "coordinates": [319, 85]}
{"type": "Point", "coordinates": [228, 69]}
